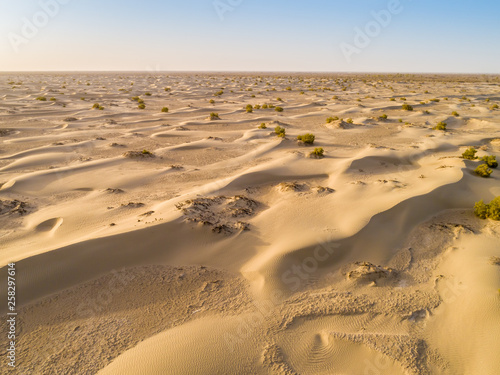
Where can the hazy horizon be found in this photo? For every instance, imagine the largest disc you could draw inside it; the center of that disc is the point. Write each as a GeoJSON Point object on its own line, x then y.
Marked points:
{"type": "Point", "coordinates": [380, 36]}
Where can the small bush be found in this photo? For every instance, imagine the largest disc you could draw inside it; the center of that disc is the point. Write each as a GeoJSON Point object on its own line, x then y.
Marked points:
{"type": "Point", "coordinates": [392, 99]}
{"type": "Point", "coordinates": [488, 211]}
{"type": "Point", "coordinates": [288, 88]}
{"type": "Point", "coordinates": [146, 152]}
{"type": "Point", "coordinates": [280, 131]}
{"type": "Point", "coordinates": [167, 89]}
{"type": "Point", "coordinates": [219, 93]}
{"type": "Point", "coordinates": [263, 126]}
{"type": "Point", "coordinates": [148, 94]}
{"type": "Point", "coordinates": [53, 99]}
{"type": "Point", "coordinates": [491, 161]}
{"type": "Point", "coordinates": [279, 99]}
{"type": "Point", "coordinates": [407, 107]}
{"type": "Point", "coordinates": [164, 109]}
{"type": "Point", "coordinates": [265, 106]}
{"type": "Point", "coordinates": [331, 119]}
{"type": "Point", "coordinates": [214, 116]}
{"type": "Point", "coordinates": [494, 106]}
{"type": "Point", "coordinates": [350, 121]}
{"type": "Point", "coordinates": [212, 101]}
{"type": "Point", "coordinates": [97, 106]}
{"type": "Point", "coordinates": [308, 138]}
{"type": "Point", "coordinates": [136, 98]}
{"type": "Point", "coordinates": [455, 113]}
{"type": "Point", "coordinates": [483, 171]}
{"type": "Point", "coordinates": [318, 152]}
{"type": "Point", "coordinates": [470, 154]}
{"type": "Point", "coordinates": [249, 108]}
{"type": "Point", "coordinates": [42, 98]}
{"type": "Point", "coordinates": [383, 117]}
{"type": "Point", "coordinates": [441, 126]}
{"type": "Point", "coordinates": [278, 109]}
{"type": "Point", "coordinates": [256, 106]}
{"type": "Point", "coordinates": [434, 100]}
{"type": "Point", "coordinates": [141, 106]}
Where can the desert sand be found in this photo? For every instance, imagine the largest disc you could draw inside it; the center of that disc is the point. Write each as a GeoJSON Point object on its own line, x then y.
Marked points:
{"type": "Point", "coordinates": [150, 242]}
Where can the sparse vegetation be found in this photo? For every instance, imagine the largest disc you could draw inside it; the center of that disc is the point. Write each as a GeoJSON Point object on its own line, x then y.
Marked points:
{"type": "Point", "coordinates": [455, 113]}
{"type": "Point", "coordinates": [249, 108]}
{"type": "Point", "coordinates": [491, 161]}
{"type": "Point", "coordinates": [280, 131]}
{"type": "Point", "coordinates": [483, 171]}
{"type": "Point", "coordinates": [383, 117]}
{"type": "Point", "coordinates": [407, 107]}
{"type": "Point", "coordinates": [263, 126]}
{"type": "Point", "coordinates": [278, 109]}
{"type": "Point", "coordinates": [97, 106]}
{"type": "Point", "coordinates": [350, 121]}
{"type": "Point", "coordinates": [494, 106]}
{"type": "Point", "coordinates": [308, 138]}
{"type": "Point", "coordinates": [53, 99]}
{"type": "Point", "coordinates": [148, 94]}
{"type": "Point", "coordinates": [141, 106]}
{"type": "Point", "coordinates": [440, 126]}
{"type": "Point", "coordinates": [164, 109]}
{"type": "Point", "coordinates": [317, 153]}
{"type": "Point", "coordinates": [214, 116]}
{"type": "Point", "coordinates": [488, 211]}
{"type": "Point", "coordinates": [42, 98]}
{"type": "Point", "coordinates": [331, 119]}
{"type": "Point", "coordinates": [212, 101]}
{"type": "Point", "coordinates": [470, 154]}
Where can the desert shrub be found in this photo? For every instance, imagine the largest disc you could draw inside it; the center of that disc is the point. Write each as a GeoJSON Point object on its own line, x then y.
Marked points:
{"type": "Point", "coordinates": [280, 131]}
{"type": "Point", "coordinates": [148, 94]}
{"type": "Point", "coordinates": [167, 89]}
{"type": "Point", "coordinates": [136, 98]}
{"type": "Point", "coordinates": [483, 171]}
{"type": "Point", "coordinates": [42, 98]}
{"type": "Point", "coordinates": [164, 109]}
{"type": "Point", "coordinates": [256, 106]}
{"type": "Point", "coordinates": [392, 99]}
{"type": "Point", "coordinates": [331, 119]}
{"type": "Point", "coordinates": [146, 152]}
{"type": "Point", "coordinates": [288, 88]}
{"type": "Point", "coordinates": [335, 97]}
{"type": "Point", "coordinates": [212, 101]}
{"type": "Point", "coordinates": [318, 152]}
{"type": "Point", "coordinates": [302, 93]}
{"type": "Point", "coordinates": [400, 120]}
{"type": "Point", "coordinates": [491, 161]}
{"type": "Point", "coordinates": [265, 106]}
{"type": "Point", "coordinates": [403, 99]}
{"type": "Point", "coordinates": [434, 100]}
{"type": "Point", "coordinates": [440, 126]}
{"type": "Point", "coordinates": [278, 109]}
{"type": "Point", "coordinates": [494, 106]}
{"type": "Point", "coordinates": [279, 99]}
{"type": "Point", "coordinates": [263, 126]}
{"type": "Point", "coordinates": [455, 113]}
{"type": "Point", "coordinates": [407, 107]}
{"type": "Point", "coordinates": [426, 112]}
{"type": "Point", "coordinates": [141, 106]}
{"type": "Point", "coordinates": [219, 93]}
{"type": "Point", "coordinates": [308, 138]}
{"type": "Point", "coordinates": [52, 99]}
{"type": "Point", "coordinates": [214, 116]}
{"type": "Point", "coordinates": [350, 121]}
{"type": "Point", "coordinates": [249, 108]}
{"type": "Point", "coordinates": [488, 211]}
{"type": "Point", "coordinates": [97, 106]}
{"type": "Point", "coordinates": [383, 117]}
{"type": "Point", "coordinates": [470, 154]}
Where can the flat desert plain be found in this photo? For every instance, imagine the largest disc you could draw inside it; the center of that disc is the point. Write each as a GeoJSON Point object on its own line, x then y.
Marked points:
{"type": "Point", "coordinates": [161, 225]}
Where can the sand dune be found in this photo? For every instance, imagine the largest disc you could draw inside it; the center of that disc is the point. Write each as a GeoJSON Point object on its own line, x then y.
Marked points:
{"type": "Point", "coordinates": [152, 242]}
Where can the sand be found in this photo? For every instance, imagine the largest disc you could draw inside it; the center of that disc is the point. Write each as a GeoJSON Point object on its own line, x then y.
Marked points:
{"type": "Point", "coordinates": [150, 242]}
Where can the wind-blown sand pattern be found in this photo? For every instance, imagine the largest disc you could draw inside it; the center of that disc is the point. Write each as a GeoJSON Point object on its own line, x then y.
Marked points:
{"type": "Point", "coordinates": [150, 242]}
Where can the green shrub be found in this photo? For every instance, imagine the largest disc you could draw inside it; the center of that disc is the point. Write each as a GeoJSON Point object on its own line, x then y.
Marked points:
{"type": "Point", "coordinates": [164, 109]}
{"type": "Point", "coordinates": [392, 99]}
{"type": "Point", "coordinates": [350, 121]}
{"type": "Point", "coordinates": [488, 211]}
{"type": "Point", "coordinates": [97, 106]}
{"type": "Point", "coordinates": [455, 113]}
{"type": "Point", "coordinates": [219, 93]}
{"type": "Point", "coordinates": [53, 99]}
{"type": "Point", "coordinates": [494, 106]}
{"type": "Point", "coordinates": [483, 171]}
{"type": "Point", "coordinates": [441, 126]}
{"type": "Point", "coordinates": [331, 119]}
{"type": "Point", "coordinates": [470, 154]}
{"type": "Point", "coordinates": [256, 106]}
{"type": "Point", "coordinates": [249, 108]}
{"type": "Point", "coordinates": [42, 98]}
{"type": "Point", "coordinates": [136, 98]}
{"type": "Point", "coordinates": [214, 116]}
{"type": "Point", "coordinates": [263, 126]}
{"type": "Point", "coordinates": [288, 88]}
{"type": "Point", "coordinates": [148, 94]}
{"type": "Point", "coordinates": [278, 109]}
{"type": "Point", "coordinates": [280, 131]}
{"type": "Point", "coordinates": [383, 117]}
{"type": "Point", "coordinates": [491, 161]}
{"type": "Point", "coordinates": [407, 107]}
{"type": "Point", "coordinates": [318, 152]}
{"type": "Point", "coordinates": [265, 106]}
{"type": "Point", "coordinates": [212, 101]}
{"type": "Point", "coordinates": [308, 138]}
{"type": "Point", "coordinates": [434, 100]}
{"type": "Point", "coordinates": [167, 89]}
{"type": "Point", "coordinates": [141, 106]}
{"type": "Point", "coordinates": [279, 99]}
{"type": "Point", "coordinates": [146, 152]}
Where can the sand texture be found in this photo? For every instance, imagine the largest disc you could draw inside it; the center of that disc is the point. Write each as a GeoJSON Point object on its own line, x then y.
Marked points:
{"type": "Point", "coordinates": [180, 242]}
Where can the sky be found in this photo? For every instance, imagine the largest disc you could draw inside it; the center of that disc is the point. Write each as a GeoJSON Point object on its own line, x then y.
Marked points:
{"type": "Point", "coordinates": [427, 36]}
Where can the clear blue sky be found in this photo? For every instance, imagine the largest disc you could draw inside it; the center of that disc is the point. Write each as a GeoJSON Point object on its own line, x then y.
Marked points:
{"type": "Point", "coordinates": [258, 35]}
